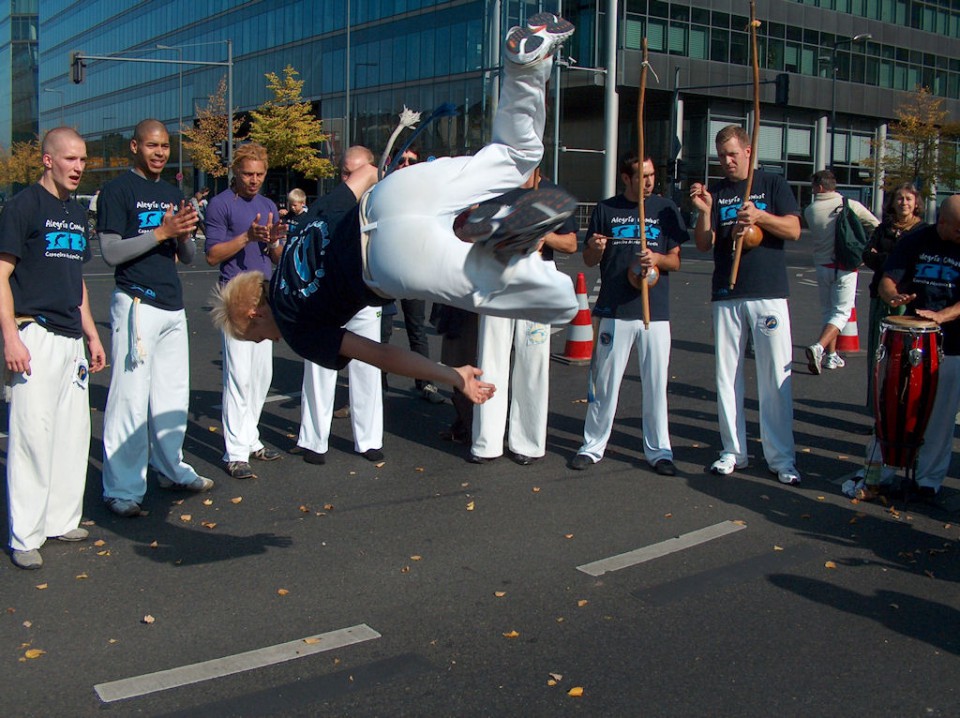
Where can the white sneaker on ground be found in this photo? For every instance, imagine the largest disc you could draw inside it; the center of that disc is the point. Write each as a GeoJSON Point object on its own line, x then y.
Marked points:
{"type": "Point", "coordinates": [726, 464]}
{"type": "Point", "coordinates": [789, 476]}
{"type": "Point", "coordinates": [77, 534]}
{"type": "Point", "coordinates": [30, 560]}
{"type": "Point", "coordinates": [543, 33]}
{"type": "Point", "coordinates": [814, 358]}
{"type": "Point", "coordinates": [833, 361]}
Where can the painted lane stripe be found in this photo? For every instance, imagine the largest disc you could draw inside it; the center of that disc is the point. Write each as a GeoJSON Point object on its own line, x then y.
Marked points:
{"type": "Point", "coordinates": [664, 548]}
{"type": "Point", "coordinates": [228, 665]}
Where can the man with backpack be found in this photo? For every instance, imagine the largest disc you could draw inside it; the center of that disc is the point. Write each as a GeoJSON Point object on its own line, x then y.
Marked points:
{"type": "Point", "coordinates": [834, 233]}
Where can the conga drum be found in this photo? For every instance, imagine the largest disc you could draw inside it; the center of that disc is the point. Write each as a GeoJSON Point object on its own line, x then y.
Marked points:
{"type": "Point", "coordinates": [905, 384]}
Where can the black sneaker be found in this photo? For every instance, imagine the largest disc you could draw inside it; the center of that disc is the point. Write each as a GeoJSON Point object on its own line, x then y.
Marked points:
{"type": "Point", "coordinates": [518, 228]}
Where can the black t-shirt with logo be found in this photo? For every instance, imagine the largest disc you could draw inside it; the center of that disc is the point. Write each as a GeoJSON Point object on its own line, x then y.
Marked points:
{"type": "Point", "coordinates": [132, 205]}
{"type": "Point", "coordinates": [318, 285]}
{"type": "Point", "coordinates": [924, 264]}
{"type": "Point", "coordinates": [617, 218]}
{"type": "Point", "coordinates": [48, 236]}
{"type": "Point", "coordinates": [763, 269]}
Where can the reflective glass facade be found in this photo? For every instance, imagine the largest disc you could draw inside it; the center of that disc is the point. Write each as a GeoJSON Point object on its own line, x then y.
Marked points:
{"type": "Point", "coordinates": [19, 62]}
{"type": "Point", "coordinates": [363, 60]}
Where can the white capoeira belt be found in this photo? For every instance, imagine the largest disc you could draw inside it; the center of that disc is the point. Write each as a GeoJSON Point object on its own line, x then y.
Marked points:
{"type": "Point", "coordinates": [137, 353]}
{"type": "Point", "coordinates": [366, 227]}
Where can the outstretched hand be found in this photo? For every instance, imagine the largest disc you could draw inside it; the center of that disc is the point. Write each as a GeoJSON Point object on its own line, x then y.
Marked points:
{"type": "Point", "coordinates": [475, 390]}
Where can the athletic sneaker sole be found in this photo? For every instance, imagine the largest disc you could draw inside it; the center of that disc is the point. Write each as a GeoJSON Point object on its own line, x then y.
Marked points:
{"type": "Point", "coordinates": [543, 33]}
{"type": "Point", "coordinates": [518, 228]}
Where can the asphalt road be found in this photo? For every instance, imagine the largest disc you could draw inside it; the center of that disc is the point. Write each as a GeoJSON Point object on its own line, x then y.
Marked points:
{"type": "Point", "coordinates": [460, 583]}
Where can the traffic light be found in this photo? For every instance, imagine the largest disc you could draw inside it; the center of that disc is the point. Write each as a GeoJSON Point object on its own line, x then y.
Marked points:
{"type": "Point", "coordinates": [77, 67]}
{"type": "Point", "coordinates": [783, 89]}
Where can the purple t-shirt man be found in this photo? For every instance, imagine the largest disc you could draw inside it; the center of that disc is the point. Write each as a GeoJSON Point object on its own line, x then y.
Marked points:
{"type": "Point", "coordinates": [230, 215]}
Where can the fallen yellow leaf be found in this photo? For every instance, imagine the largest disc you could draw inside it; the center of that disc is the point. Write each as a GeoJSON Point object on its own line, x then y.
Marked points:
{"type": "Point", "coordinates": [419, 468]}
{"type": "Point", "coordinates": [208, 502]}
{"type": "Point", "coordinates": [34, 653]}
{"type": "Point", "coordinates": [511, 634]}
{"type": "Point", "coordinates": [830, 564]}
{"type": "Point", "coordinates": [405, 569]}
{"type": "Point", "coordinates": [536, 489]}
{"type": "Point", "coordinates": [148, 619]}
{"type": "Point", "coordinates": [103, 553]}
{"type": "Point", "coordinates": [41, 587]}
{"type": "Point", "coordinates": [99, 542]}
{"type": "Point", "coordinates": [304, 509]}
{"type": "Point", "coordinates": [575, 692]}
{"type": "Point", "coordinates": [186, 518]}
{"type": "Point", "coordinates": [416, 557]}
{"type": "Point", "coordinates": [154, 544]}
{"type": "Point", "coordinates": [27, 624]}
{"type": "Point", "coordinates": [777, 548]}
{"type": "Point", "coordinates": [470, 506]}
{"type": "Point", "coordinates": [821, 498]}
{"type": "Point", "coordinates": [551, 682]}
{"type": "Point", "coordinates": [81, 576]}
{"type": "Point", "coordinates": [208, 524]}
{"type": "Point", "coordinates": [380, 465]}
{"type": "Point", "coordinates": [328, 507]}
{"type": "Point", "coordinates": [668, 516]}
{"type": "Point", "coordinates": [499, 594]}
{"type": "Point", "coordinates": [582, 602]}
{"type": "Point", "coordinates": [568, 536]}
{"type": "Point", "coordinates": [88, 523]}
{"type": "Point", "coordinates": [282, 592]}
{"type": "Point", "coordinates": [740, 522]}
{"type": "Point", "coordinates": [311, 640]}
{"type": "Point", "coordinates": [557, 676]}
{"type": "Point", "coordinates": [236, 499]}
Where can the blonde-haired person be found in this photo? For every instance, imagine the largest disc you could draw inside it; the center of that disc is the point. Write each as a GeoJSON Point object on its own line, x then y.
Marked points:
{"type": "Point", "coordinates": [243, 233]}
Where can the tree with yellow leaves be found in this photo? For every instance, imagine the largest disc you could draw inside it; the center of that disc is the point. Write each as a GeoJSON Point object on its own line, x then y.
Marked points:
{"type": "Point", "coordinates": [921, 145]}
{"type": "Point", "coordinates": [287, 127]}
{"type": "Point", "coordinates": [22, 165]}
{"type": "Point", "coordinates": [206, 138]}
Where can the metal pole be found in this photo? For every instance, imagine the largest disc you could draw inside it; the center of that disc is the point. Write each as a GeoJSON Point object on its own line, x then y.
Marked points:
{"type": "Point", "coordinates": [230, 109]}
{"type": "Point", "coordinates": [346, 98]}
{"type": "Point", "coordinates": [556, 124]}
{"type": "Point", "coordinates": [180, 120]}
{"type": "Point", "coordinates": [833, 106]}
{"type": "Point", "coordinates": [611, 104]}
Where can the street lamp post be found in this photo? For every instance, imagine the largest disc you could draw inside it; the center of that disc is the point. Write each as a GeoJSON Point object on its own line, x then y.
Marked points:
{"type": "Point", "coordinates": [354, 119]}
{"type": "Point", "coordinates": [103, 138]}
{"type": "Point", "coordinates": [179, 49]}
{"type": "Point", "coordinates": [862, 37]}
{"type": "Point", "coordinates": [59, 92]}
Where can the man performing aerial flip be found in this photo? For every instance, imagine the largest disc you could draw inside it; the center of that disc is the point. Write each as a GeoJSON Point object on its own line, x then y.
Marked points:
{"type": "Point", "coordinates": [401, 242]}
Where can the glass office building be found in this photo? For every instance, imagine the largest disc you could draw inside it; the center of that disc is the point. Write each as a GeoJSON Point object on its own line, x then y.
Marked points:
{"type": "Point", "coordinates": [19, 61]}
{"type": "Point", "coordinates": [363, 60]}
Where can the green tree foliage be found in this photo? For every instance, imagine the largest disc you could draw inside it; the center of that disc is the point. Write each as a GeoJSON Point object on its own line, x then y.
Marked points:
{"type": "Point", "coordinates": [921, 145]}
{"type": "Point", "coordinates": [209, 133]}
{"type": "Point", "coordinates": [287, 127]}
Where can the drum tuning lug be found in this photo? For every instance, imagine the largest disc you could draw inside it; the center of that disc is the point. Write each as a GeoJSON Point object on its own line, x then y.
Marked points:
{"type": "Point", "coordinates": [915, 357]}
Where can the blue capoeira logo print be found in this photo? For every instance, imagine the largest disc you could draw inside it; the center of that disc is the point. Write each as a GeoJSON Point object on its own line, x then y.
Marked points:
{"type": "Point", "coordinates": [728, 213]}
{"type": "Point", "coordinates": [73, 241]}
{"type": "Point", "coordinates": [625, 231]}
{"type": "Point", "coordinates": [936, 273]}
{"type": "Point", "coordinates": [302, 247]}
{"type": "Point", "coordinates": [150, 219]}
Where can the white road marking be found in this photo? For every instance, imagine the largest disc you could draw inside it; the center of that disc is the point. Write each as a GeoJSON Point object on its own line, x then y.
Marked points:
{"type": "Point", "coordinates": [664, 548]}
{"type": "Point", "coordinates": [228, 665]}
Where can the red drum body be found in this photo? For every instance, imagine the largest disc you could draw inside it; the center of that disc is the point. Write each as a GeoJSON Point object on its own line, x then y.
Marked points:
{"type": "Point", "coordinates": [905, 373]}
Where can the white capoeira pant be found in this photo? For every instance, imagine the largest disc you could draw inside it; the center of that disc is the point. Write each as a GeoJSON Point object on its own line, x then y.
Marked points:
{"type": "Point", "coordinates": [838, 292]}
{"type": "Point", "coordinates": [146, 414]}
{"type": "Point", "coordinates": [769, 322]}
{"type": "Point", "coordinates": [933, 460]}
{"type": "Point", "coordinates": [413, 252]}
{"type": "Point", "coordinates": [49, 440]}
{"type": "Point", "coordinates": [615, 339]}
{"type": "Point", "coordinates": [366, 395]}
{"type": "Point", "coordinates": [247, 373]}
{"type": "Point", "coordinates": [529, 384]}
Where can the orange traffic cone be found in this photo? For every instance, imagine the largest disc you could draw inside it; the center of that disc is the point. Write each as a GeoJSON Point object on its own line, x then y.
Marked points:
{"type": "Point", "coordinates": [579, 346]}
{"type": "Point", "coordinates": [849, 339]}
